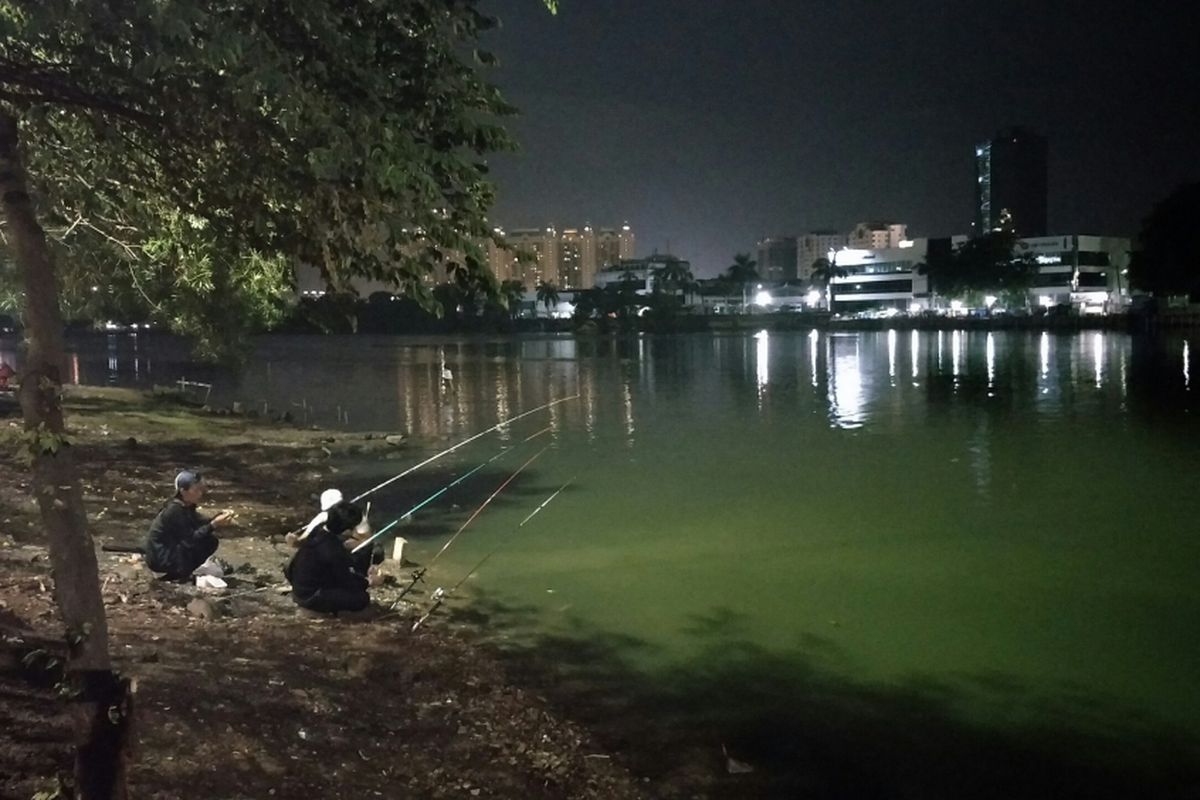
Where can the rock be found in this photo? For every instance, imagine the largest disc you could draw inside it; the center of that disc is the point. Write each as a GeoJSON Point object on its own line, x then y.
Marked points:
{"type": "Point", "coordinates": [131, 443]}
{"type": "Point", "coordinates": [203, 609]}
{"type": "Point", "coordinates": [395, 439]}
{"type": "Point", "coordinates": [358, 667]}
{"type": "Point", "coordinates": [129, 572]}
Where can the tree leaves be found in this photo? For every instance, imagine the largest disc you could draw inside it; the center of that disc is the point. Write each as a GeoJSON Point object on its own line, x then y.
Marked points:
{"type": "Point", "coordinates": [1168, 261]}
{"type": "Point", "coordinates": [346, 134]}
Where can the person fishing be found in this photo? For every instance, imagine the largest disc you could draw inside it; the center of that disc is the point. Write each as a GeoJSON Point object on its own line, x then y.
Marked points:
{"type": "Point", "coordinates": [180, 538]}
{"type": "Point", "coordinates": [325, 576]}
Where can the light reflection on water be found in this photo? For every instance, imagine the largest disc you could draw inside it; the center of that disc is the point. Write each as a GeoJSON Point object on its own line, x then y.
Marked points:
{"type": "Point", "coordinates": [434, 391]}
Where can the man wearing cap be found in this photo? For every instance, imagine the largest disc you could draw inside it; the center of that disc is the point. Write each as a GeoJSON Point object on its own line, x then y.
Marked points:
{"type": "Point", "coordinates": [180, 538]}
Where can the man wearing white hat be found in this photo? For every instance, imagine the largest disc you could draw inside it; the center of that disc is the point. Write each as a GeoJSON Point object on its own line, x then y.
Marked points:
{"type": "Point", "coordinates": [325, 576]}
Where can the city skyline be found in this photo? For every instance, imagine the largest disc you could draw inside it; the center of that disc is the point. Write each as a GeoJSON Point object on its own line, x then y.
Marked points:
{"type": "Point", "coordinates": [715, 127]}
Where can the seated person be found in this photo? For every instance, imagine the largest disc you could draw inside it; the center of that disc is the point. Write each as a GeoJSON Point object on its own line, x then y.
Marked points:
{"type": "Point", "coordinates": [180, 538]}
{"type": "Point", "coordinates": [325, 576]}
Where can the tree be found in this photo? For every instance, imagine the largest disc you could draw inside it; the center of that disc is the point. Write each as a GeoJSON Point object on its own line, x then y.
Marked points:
{"type": "Point", "coordinates": [824, 270]}
{"type": "Point", "coordinates": [512, 292]}
{"type": "Point", "coordinates": [587, 303]}
{"type": "Point", "coordinates": [743, 270]}
{"type": "Point", "coordinates": [673, 276]}
{"type": "Point", "coordinates": [1168, 259]}
{"type": "Point", "coordinates": [198, 151]}
{"type": "Point", "coordinates": [547, 295]}
{"type": "Point", "coordinates": [993, 262]}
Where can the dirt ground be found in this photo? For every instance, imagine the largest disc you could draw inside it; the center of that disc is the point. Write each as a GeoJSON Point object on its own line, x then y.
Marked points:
{"type": "Point", "coordinates": [241, 696]}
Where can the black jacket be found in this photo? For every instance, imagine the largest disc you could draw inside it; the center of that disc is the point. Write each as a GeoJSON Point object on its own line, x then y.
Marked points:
{"type": "Point", "coordinates": [178, 536]}
{"type": "Point", "coordinates": [323, 562]}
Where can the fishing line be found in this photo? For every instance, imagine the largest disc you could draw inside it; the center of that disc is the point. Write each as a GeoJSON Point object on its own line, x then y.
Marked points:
{"type": "Point", "coordinates": [439, 596]}
{"type": "Point", "coordinates": [421, 572]}
{"type": "Point", "coordinates": [425, 502]}
{"type": "Point", "coordinates": [463, 443]}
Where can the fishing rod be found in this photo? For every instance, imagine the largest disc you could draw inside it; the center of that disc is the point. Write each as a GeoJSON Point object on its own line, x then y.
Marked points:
{"type": "Point", "coordinates": [425, 502]}
{"type": "Point", "coordinates": [419, 574]}
{"type": "Point", "coordinates": [463, 443]}
{"type": "Point", "coordinates": [440, 595]}
{"type": "Point", "coordinates": [450, 450]}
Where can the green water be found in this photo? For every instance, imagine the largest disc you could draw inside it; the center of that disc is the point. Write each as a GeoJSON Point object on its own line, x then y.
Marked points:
{"type": "Point", "coordinates": [998, 530]}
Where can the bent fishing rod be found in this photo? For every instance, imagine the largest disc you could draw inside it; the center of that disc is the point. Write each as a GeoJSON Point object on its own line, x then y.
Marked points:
{"type": "Point", "coordinates": [408, 514]}
{"type": "Point", "coordinates": [463, 443]}
{"type": "Point", "coordinates": [440, 595]}
{"type": "Point", "coordinates": [419, 574]}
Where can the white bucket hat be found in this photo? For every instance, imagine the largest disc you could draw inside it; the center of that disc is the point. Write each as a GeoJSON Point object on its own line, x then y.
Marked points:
{"type": "Point", "coordinates": [329, 499]}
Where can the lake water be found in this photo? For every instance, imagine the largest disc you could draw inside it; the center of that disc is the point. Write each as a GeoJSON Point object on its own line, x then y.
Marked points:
{"type": "Point", "coordinates": [848, 554]}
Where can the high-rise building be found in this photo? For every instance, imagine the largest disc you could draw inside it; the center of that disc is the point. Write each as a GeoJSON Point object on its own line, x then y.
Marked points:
{"type": "Point", "coordinates": [877, 235]}
{"type": "Point", "coordinates": [814, 245]}
{"type": "Point", "coordinates": [577, 258]}
{"type": "Point", "coordinates": [502, 261]}
{"type": "Point", "coordinates": [537, 255]}
{"type": "Point", "coordinates": [1010, 183]}
{"type": "Point", "coordinates": [568, 258]}
{"type": "Point", "coordinates": [777, 258]}
{"type": "Point", "coordinates": [614, 245]}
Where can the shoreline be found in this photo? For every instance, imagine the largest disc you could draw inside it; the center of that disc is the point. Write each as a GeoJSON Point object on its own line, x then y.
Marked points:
{"type": "Point", "coordinates": [248, 697]}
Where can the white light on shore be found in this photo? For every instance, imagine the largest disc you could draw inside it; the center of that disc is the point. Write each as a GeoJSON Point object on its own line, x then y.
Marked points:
{"type": "Point", "coordinates": [813, 297]}
{"type": "Point", "coordinates": [762, 298]}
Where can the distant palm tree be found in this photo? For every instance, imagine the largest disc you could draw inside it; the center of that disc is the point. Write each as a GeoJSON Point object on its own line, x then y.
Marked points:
{"type": "Point", "coordinates": [512, 292]}
{"type": "Point", "coordinates": [672, 276]}
{"type": "Point", "coordinates": [823, 273]}
{"type": "Point", "coordinates": [741, 272]}
{"type": "Point", "coordinates": [547, 295]}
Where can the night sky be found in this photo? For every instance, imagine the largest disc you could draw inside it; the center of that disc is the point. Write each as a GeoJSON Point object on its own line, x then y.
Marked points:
{"type": "Point", "coordinates": [708, 124]}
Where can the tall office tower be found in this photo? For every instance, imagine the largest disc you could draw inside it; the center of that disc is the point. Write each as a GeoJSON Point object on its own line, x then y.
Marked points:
{"type": "Point", "coordinates": [1010, 183]}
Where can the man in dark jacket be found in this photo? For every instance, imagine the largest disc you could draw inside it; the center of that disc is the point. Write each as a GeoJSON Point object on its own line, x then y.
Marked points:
{"type": "Point", "coordinates": [325, 576]}
{"type": "Point", "coordinates": [180, 539]}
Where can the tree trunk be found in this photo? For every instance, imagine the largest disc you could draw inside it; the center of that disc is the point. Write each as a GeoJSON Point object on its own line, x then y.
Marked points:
{"type": "Point", "coordinates": [102, 700]}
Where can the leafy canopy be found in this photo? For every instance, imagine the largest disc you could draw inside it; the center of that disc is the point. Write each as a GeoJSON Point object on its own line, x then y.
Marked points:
{"type": "Point", "coordinates": [187, 154]}
{"type": "Point", "coordinates": [1168, 259]}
